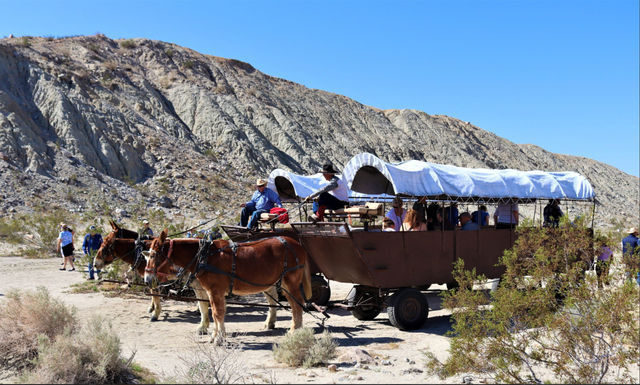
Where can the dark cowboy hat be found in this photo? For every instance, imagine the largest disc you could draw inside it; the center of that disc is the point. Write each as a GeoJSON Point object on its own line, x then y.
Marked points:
{"type": "Point", "coordinates": [327, 168]}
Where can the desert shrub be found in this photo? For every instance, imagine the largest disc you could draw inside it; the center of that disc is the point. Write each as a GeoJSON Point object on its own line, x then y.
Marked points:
{"type": "Point", "coordinates": [128, 44]}
{"type": "Point", "coordinates": [25, 41]}
{"type": "Point", "coordinates": [546, 316]}
{"type": "Point", "coordinates": [207, 364]}
{"type": "Point", "coordinates": [301, 348]}
{"type": "Point", "coordinates": [44, 229]}
{"type": "Point", "coordinates": [26, 315]}
{"type": "Point", "coordinates": [188, 64]}
{"type": "Point", "coordinates": [90, 356]}
{"type": "Point", "coordinates": [11, 230]}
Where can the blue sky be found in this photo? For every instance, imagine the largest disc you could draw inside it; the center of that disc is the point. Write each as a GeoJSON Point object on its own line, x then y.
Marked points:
{"type": "Point", "coordinates": [562, 75]}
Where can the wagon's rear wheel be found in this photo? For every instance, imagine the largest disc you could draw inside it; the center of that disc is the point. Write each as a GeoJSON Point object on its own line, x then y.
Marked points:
{"type": "Point", "coordinates": [365, 302]}
{"type": "Point", "coordinates": [320, 290]}
{"type": "Point", "coordinates": [408, 309]}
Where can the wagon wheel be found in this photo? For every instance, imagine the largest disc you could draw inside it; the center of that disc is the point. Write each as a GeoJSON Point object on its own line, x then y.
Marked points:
{"type": "Point", "coordinates": [365, 302]}
{"type": "Point", "coordinates": [320, 290]}
{"type": "Point", "coordinates": [408, 309]}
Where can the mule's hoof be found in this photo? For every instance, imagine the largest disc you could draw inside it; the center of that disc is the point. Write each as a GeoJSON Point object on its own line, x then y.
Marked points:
{"type": "Point", "coordinates": [150, 310]}
{"type": "Point", "coordinates": [202, 331]}
{"type": "Point", "coordinates": [153, 318]}
{"type": "Point", "coordinates": [269, 326]}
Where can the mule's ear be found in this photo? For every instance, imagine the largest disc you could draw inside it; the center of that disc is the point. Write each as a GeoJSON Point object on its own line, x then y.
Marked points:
{"type": "Point", "coordinates": [113, 224]}
{"type": "Point", "coordinates": [145, 254]}
{"type": "Point", "coordinates": [163, 235]}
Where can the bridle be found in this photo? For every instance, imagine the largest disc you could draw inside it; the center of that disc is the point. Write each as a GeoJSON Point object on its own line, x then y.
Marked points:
{"type": "Point", "coordinates": [166, 261]}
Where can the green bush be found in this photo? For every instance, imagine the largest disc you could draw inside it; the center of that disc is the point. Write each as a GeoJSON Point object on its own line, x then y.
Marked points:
{"type": "Point", "coordinates": [24, 318]}
{"type": "Point", "coordinates": [301, 348]}
{"type": "Point", "coordinates": [548, 317]}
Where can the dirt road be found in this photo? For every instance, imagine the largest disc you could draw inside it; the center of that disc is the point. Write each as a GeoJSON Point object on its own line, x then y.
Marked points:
{"type": "Point", "coordinates": [397, 356]}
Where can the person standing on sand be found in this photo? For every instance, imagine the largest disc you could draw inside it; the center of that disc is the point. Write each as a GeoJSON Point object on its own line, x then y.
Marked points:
{"type": "Point", "coordinates": [65, 246]}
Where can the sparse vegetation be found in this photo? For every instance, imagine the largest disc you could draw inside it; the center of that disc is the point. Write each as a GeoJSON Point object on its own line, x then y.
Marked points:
{"type": "Point", "coordinates": [25, 41]}
{"type": "Point", "coordinates": [169, 52]}
{"type": "Point", "coordinates": [24, 318]}
{"type": "Point", "coordinates": [546, 314]}
{"type": "Point", "coordinates": [206, 364]}
{"type": "Point", "coordinates": [92, 355]}
{"type": "Point", "coordinates": [301, 348]}
{"type": "Point", "coordinates": [188, 64]}
{"type": "Point", "coordinates": [128, 44]}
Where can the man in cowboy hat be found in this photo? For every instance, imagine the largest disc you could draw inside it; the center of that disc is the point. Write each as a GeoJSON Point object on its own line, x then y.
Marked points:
{"type": "Point", "coordinates": [332, 195]}
{"type": "Point", "coordinates": [262, 201]}
{"type": "Point", "coordinates": [631, 253]}
{"type": "Point", "coordinates": [146, 232]}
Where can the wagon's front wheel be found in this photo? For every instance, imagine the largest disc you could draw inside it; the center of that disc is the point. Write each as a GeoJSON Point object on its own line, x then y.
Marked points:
{"type": "Point", "coordinates": [408, 309]}
{"type": "Point", "coordinates": [365, 302]}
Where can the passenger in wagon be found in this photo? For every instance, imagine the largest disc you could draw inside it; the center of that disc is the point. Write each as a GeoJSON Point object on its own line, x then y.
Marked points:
{"type": "Point", "coordinates": [434, 217]}
{"type": "Point", "coordinates": [506, 215]}
{"type": "Point", "coordinates": [481, 216]}
{"type": "Point", "coordinates": [412, 222]}
{"type": "Point", "coordinates": [421, 207]}
{"type": "Point", "coordinates": [263, 200]}
{"type": "Point", "coordinates": [552, 213]}
{"type": "Point", "coordinates": [466, 223]}
{"type": "Point", "coordinates": [388, 224]}
{"type": "Point", "coordinates": [396, 213]}
{"type": "Point", "coordinates": [333, 196]}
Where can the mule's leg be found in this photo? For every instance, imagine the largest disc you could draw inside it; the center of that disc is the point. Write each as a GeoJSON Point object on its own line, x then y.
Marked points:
{"type": "Point", "coordinates": [294, 296]}
{"type": "Point", "coordinates": [156, 308]}
{"type": "Point", "coordinates": [151, 306]}
{"type": "Point", "coordinates": [204, 310]}
{"type": "Point", "coordinates": [271, 293]}
{"type": "Point", "coordinates": [217, 309]}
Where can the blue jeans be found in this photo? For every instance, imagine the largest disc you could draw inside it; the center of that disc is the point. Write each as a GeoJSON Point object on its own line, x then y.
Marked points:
{"type": "Point", "coordinates": [249, 215]}
{"type": "Point", "coordinates": [90, 266]}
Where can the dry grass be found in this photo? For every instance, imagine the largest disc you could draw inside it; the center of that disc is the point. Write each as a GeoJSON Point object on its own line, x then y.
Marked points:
{"type": "Point", "coordinates": [91, 356]}
{"type": "Point", "coordinates": [301, 348]}
{"type": "Point", "coordinates": [24, 316]}
{"type": "Point", "coordinates": [209, 364]}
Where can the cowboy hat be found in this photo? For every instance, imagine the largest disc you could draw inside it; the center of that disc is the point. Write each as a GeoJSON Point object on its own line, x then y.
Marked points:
{"type": "Point", "coordinates": [145, 222]}
{"type": "Point", "coordinates": [261, 182]}
{"type": "Point", "coordinates": [632, 230]}
{"type": "Point", "coordinates": [327, 168]}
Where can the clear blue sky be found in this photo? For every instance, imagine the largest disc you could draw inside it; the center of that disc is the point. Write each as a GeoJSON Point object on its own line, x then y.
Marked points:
{"type": "Point", "coordinates": [559, 74]}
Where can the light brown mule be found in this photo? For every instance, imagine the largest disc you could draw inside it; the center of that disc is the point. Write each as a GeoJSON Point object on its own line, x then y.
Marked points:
{"type": "Point", "coordinates": [259, 265]}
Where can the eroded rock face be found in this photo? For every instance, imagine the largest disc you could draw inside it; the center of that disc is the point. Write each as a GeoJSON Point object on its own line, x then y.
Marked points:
{"type": "Point", "coordinates": [154, 125]}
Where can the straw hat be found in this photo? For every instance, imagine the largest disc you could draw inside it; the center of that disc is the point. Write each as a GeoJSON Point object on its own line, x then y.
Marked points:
{"type": "Point", "coordinates": [261, 182]}
{"type": "Point", "coordinates": [633, 230]}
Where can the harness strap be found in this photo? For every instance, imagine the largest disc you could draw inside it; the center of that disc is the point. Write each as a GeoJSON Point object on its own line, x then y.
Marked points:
{"type": "Point", "coordinates": [234, 248]}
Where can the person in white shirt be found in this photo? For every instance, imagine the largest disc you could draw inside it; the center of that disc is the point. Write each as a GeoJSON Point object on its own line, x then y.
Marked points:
{"type": "Point", "coordinates": [333, 196]}
{"type": "Point", "coordinates": [397, 213]}
{"type": "Point", "coordinates": [506, 215]}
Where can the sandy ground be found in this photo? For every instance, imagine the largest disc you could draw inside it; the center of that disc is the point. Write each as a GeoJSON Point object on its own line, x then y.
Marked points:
{"type": "Point", "coordinates": [397, 356]}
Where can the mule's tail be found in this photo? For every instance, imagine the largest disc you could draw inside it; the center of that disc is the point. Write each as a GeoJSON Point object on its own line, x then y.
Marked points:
{"type": "Point", "coordinates": [306, 281]}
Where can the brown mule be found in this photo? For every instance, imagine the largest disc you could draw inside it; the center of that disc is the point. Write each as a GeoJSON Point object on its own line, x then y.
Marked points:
{"type": "Point", "coordinates": [250, 268]}
{"type": "Point", "coordinates": [120, 243]}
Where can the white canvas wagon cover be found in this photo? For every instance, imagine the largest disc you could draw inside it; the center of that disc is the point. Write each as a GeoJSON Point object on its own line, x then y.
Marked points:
{"type": "Point", "coordinates": [366, 173]}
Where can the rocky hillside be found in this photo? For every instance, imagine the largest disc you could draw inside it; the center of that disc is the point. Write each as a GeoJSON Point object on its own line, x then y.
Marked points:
{"type": "Point", "coordinates": [97, 125]}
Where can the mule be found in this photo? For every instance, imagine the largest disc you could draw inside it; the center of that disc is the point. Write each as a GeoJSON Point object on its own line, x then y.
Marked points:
{"type": "Point", "coordinates": [240, 269]}
{"type": "Point", "coordinates": [120, 243]}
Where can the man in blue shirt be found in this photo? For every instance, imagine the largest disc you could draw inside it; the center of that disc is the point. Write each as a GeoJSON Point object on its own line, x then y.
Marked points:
{"type": "Point", "coordinates": [630, 253]}
{"type": "Point", "coordinates": [90, 246]}
{"type": "Point", "coordinates": [263, 200]}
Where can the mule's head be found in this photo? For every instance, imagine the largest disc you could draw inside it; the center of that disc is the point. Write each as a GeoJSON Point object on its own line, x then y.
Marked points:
{"type": "Point", "coordinates": [106, 254]}
{"type": "Point", "coordinates": [154, 258]}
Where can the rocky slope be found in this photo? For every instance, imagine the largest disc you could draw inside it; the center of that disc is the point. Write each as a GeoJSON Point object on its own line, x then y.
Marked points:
{"type": "Point", "coordinates": [92, 125]}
